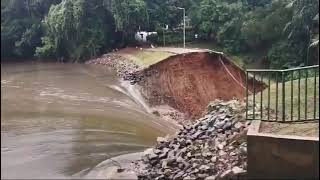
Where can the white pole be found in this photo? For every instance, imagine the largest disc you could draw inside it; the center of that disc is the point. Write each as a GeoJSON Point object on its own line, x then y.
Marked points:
{"type": "Point", "coordinates": [184, 26]}
{"type": "Point", "coordinates": [164, 39]}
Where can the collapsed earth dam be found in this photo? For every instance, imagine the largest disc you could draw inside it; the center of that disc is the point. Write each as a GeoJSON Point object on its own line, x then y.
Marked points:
{"type": "Point", "coordinates": [188, 82]}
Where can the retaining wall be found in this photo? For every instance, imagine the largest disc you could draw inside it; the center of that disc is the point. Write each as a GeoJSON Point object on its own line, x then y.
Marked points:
{"type": "Point", "coordinates": [273, 156]}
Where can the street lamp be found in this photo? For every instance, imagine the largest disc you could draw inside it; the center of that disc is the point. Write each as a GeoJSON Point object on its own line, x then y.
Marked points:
{"type": "Point", "coordinates": [184, 26]}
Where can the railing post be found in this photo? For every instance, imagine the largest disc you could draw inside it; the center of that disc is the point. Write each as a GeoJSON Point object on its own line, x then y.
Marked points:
{"type": "Point", "coordinates": [254, 96]}
{"type": "Point", "coordinates": [283, 97]}
{"type": "Point", "coordinates": [269, 84]}
{"type": "Point", "coordinates": [261, 99]}
{"type": "Point", "coordinates": [291, 96]}
{"type": "Point", "coordinates": [247, 94]}
{"type": "Point", "coordinates": [299, 97]}
{"type": "Point", "coordinates": [277, 93]}
{"type": "Point", "coordinates": [306, 97]}
{"type": "Point", "coordinates": [315, 95]}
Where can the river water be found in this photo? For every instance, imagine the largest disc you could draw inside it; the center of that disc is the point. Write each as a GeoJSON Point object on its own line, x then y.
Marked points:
{"type": "Point", "coordinates": [61, 120]}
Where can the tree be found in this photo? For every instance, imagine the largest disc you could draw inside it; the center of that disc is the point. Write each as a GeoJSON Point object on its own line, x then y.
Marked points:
{"type": "Point", "coordinates": [165, 12]}
{"type": "Point", "coordinates": [129, 15]}
{"type": "Point", "coordinates": [20, 26]}
{"type": "Point", "coordinates": [221, 21]}
{"type": "Point", "coordinates": [299, 28]}
{"type": "Point", "coordinates": [263, 26]}
{"type": "Point", "coordinates": [76, 29]}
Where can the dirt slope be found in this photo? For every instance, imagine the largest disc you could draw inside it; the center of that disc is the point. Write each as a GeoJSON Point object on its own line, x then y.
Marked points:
{"type": "Point", "coordinates": [188, 82]}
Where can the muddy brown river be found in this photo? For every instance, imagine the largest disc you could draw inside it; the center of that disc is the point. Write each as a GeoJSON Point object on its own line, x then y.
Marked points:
{"type": "Point", "coordinates": [61, 120]}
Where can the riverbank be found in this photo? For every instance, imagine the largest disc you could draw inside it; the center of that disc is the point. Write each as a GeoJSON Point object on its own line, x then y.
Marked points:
{"type": "Point", "coordinates": [212, 147]}
{"type": "Point", "coordinates": [211, 142]}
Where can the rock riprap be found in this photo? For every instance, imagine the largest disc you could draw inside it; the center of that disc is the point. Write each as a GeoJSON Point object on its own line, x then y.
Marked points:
{"type": "Point", "coordinates": [213, 147]}
{"type": "Point", "coordinates": [124, 67]}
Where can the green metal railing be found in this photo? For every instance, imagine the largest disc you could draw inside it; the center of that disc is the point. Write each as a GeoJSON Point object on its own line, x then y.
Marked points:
{"type": "Point", "coordinates": [293, 97]}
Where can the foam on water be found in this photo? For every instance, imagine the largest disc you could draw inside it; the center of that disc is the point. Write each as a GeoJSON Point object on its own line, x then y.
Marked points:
{"type": "Point", "coordinates": [133, 92]}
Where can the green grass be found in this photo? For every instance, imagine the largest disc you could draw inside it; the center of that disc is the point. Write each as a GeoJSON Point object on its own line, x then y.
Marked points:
{"type": "Point", "coordinates": [244, 60]}
{"type": "Point", "coordinates": [147, 58]}
{"type": "Point", "coordinates": [304, 102]}
{"type": "Point", "coordinates": [204, 45]}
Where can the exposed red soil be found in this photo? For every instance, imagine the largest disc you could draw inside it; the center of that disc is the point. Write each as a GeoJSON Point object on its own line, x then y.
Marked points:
{"type": "Point", "coordinates": [188, 82]}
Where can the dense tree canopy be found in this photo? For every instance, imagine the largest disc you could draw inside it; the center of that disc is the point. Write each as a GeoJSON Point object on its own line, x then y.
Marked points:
{"type": "Point", "coordinates": [284, 28]}
{"type": "Point", "coordinates": [130, 16]}
{"type": "Point", "coordinates": [21, 26]}
{"type": "Point", "coordinates": [80, 29]}
{"type": "Point", "coordinates": [76, 30]}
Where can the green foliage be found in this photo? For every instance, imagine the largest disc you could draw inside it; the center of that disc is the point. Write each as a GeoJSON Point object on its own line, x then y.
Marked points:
{"type": "Point", "coordinates": [264, 25]}
{"type": "Point", "coordinates": [293, 50]}
{"type": "Point", "coordinates": [129, 15]}
{"type": "Point", "coordinates": [20, 26]}
{"type": "Point", "coordinates": [258, 3]}
{"type": "Point", "coordinates": [302, 20]}
{"type": "Point", "coordinates": [79, 29]}
{"type": "Point", "coordinates": [29, 41]}
{"type": "Point", "coordinates": [222, 21]}
{"type": "Point", "coordinates": [283, 27]}
{"type": "Point", "coordinates": [230, 36]}
{"type": "Point", "coordinates": [216, 13]}
{"type": "Point", "coordinates": [165, 12]}
{"type": "Point", "coordinates": [299, 29]}
{"type": "Point", "coordinates": [75, 30]}
{"type": "Point", "coordinates": [283, 56]}
{"type": "Point", "coordinates": [47, 50]}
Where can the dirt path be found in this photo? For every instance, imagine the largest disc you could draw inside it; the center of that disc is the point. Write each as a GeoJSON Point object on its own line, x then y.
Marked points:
{"type": "Point", "coordinates": [145, 57]}
{"type": "Point", "coordinates": [176, 50]}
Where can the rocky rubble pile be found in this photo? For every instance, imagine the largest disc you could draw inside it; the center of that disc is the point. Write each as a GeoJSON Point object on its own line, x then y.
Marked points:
{"type": "Point", "coordinates": [213, 147]}
{"type": "Point", "coordinates": [124, 67]}
{"type": "Point", "coordinates": [168, 113]}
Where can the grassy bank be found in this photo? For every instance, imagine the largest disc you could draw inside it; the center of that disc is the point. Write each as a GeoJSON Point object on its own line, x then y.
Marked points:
{"type": "Point", "coordinates": [147, 58]}
{"type": "Point", "coordinates": [309, 101]}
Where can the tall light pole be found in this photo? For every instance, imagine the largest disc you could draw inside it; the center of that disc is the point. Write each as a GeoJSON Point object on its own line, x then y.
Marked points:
{"type": "Point", "coordinates": [184, 26]}
{"type": "Point", "coordinates": [164, 38]}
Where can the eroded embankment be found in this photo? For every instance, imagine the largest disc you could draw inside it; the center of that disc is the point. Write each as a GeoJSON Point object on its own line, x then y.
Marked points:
{"type": "Point", "coordinates": [188, 82]}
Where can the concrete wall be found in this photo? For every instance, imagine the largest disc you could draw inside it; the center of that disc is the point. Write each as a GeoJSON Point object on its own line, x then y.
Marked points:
{"type": "Point", "coordinates": [277, 156]}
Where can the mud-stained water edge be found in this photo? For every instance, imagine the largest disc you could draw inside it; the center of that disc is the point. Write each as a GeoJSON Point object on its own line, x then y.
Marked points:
{"type": "Point", "coordinates": [61, 120]}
